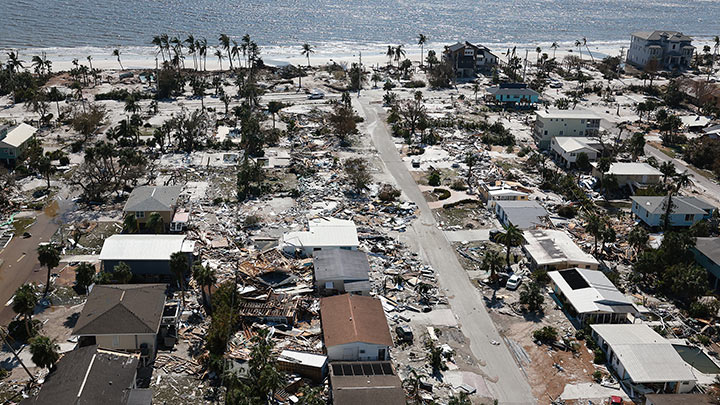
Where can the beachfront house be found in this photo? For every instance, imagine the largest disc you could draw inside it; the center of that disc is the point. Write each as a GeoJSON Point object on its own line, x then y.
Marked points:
{"type": "Point", "coordinates": [553, 249]}
{"type": "Point", "coordinates": [363, 383]}
{"type": "Point", "coordinates": [512, 95]}
{"type": "Point", "coordinates": [468, 60]}
{"type": "Point", "coordinates": [671, 49]}
{"type": "Point", "coordinates": [13, 140]}
{"type": "Point", "coordinates": [643, 361]}
{"type": "Point", "coordinates": [520, 213]}
{"type": "Point", "coordinates": [148, 256]}
{"type": "Point", "coordinates": [566, 150]}
{"type": "Point", "coordinates": [632, 174]}
{"type": "Point", "coordinates": [90, 375]}
{"type": "Point", "coordinates": [355, 328]}
{"type": "Point", "coordinates": [322, 234]}
{"type": "Point", "coordinates": [502, 190]}
{"type": "Point", "coordinates": [145, 200]}
{"type": "Point", "coordinates": [559, 123]}
{"type": "Point", "coordinates": [126, 317]}
{"type": "Point", "coordinates": [686, 211]}
{"type": "Point", "coordinates": [338, 271]}
{"type": "Point", "coordinates": [707, 255]}
{"type": "Point", "coordinates": [590, 297]}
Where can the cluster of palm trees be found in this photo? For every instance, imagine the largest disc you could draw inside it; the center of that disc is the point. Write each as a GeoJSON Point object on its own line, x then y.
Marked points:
{"type": "Point", "coordinates": [395, 53]}
{"type": "Point", "coordinates": [173, 51]}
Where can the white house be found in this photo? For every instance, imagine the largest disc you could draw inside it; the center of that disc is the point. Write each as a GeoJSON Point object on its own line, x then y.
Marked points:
{"type": "Point", "coordinates": [591, 297]}
{"type": "Point", "coordinates": [322, 233]}
{"type": "Point", "coordinates": [13, 141]}
{"type": "Point", "coordinates": [643, 361]}
{"type": "Point", "coordinates": [354, 328]}
{"type": "Point", "coordinates": [551, 249]}
{"type": "Point", "coordinates": [635, 174]}
{"type": "Point", "coordinates": [561, 123]}
{"type": "Point", "coordinates": [567, 149]}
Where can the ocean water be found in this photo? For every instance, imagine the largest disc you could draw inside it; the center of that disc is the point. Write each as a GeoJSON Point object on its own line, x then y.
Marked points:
{"type": "Point", "coordinates": [337, 25]}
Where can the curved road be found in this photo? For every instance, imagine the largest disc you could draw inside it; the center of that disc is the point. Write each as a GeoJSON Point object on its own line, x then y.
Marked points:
{"type": "Point", "coordinates": [506, 381]}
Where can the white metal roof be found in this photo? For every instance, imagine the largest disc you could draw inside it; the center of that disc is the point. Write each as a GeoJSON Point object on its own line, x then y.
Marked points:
{"type": "Point", "coordinates": [579, 114]}
{"type": "Point", "coordinates": [144, 247]}
{"type": "Point", "coordinates": [306, 359]}
{"type": "Point", "coordinates": [572, 144]}
{"type": "Point", "coordinates": [550, 246]}
{"type": "Point", "coordinates": [324, 232]}
{"type": "Point", "coordinates": [646, 356]}
{"type": "Point", "coordinates": [632, 169]}
{"type": "Point", "coordinates": [600, 295]}
{"type": "Point", "coordinates": [19, 135]}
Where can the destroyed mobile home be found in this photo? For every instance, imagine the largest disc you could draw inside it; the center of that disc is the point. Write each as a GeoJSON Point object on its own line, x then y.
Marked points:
{"type": "Point", "coordinates": [361, 256]}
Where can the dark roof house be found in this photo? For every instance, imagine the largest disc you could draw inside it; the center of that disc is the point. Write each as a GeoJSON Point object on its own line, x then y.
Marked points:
{"type": "Point", "coordinates": [361, 383]}
{"type": "Point", "coordinates": [122, 309]}
{"type": "Point", "coordinates": [340, 270]}
{"type": "Point", "coordinates": [153, 198]}
{"type": "Point", "coordinates": [90, 376]}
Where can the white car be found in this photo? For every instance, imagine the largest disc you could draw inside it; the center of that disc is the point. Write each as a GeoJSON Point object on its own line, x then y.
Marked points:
{"type": "Point", "coordinates": [513, 282]}
{"type": "Point", "coordinates": [316, 95]}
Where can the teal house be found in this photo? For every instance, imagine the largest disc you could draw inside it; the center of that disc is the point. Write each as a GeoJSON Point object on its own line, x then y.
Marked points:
{"type": "Point", "coordinates": [707, 255]}
{"type": "Point", "coordinates": [13, 140]}
{"type": "Point", "coordinates": [512, 94]}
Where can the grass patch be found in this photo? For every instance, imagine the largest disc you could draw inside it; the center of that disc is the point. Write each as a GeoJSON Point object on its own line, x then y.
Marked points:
{"type": "Point", "coordinates": [20, 225]}
{"type": "Point", "coordinates": [441, 193]}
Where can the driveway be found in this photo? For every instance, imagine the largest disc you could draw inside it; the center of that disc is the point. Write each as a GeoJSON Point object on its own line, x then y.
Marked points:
{"type": "Point", "coordinates": [505, 379]}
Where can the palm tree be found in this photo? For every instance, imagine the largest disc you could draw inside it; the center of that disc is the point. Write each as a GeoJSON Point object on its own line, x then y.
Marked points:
{"type": "Point", "coordinates": [375, 78]}
{"type": "Point", "coordinates": [638, 238]}
{"type": "Point", "coordinates": [399, 53]}
{"type": "Point", "coordinates": [235, 52]}
{"type": "Point", "coordinates": [492, 261]}
{"type": "Point", "coordinates": [130, 224]}
{"type": "Point", "coordinates": [668, 170]}
{"type": "Point", "coordinates": [554, 47]}
{"type": "Point", "coordinates": [157, 41]}
{"type": "Point", "coordinates": [274, 107]}
{"type": "Point", "coordinates": [595, 227]}
{"type": "Point", "coordinates": [588, 49]}
{"type": "Point", "coordinates": [538, 50]}
{"type": "Point", "coordinates": [44, 351]}
{"type": "Point", "coordinates": [202, 51]}
{"type": "Point", "coordinates": [89, 59]}
{"type": "Point", "coordinates": [220, 57]}
{"type": "Point", "coordinates": [225, 44]}
{"type": "Point", "coordinates": [192, 48]}
{"type": "Point", "coordinates": [390, 54]}
{"type": "Point", "coordinates": [155, 223]}
{"type": "Point", "coordinates": [715, 53]}
{"type": "Point", "coordinates": [513, 236]}
{"type": "Point", "coordinates": [55, 94]}
{"type": "Point", "coordinates": [683, 180]}
{"type": "Point", "coordinates": [179, 267]}
{"type": "Point", "coordinates": [24, 303]}
{"type": "Point", "coordinates": [422, 39]}
{"type": "Point", "coordinates": [206, 278]}
{"type": "Point", "coordinates": [475, 89]}
{"type": "Point", "coordinates": [116, 53]}
{"type": "Point", "coordinates": [578, 44]}
{"type": "Point", "coordinates": [132, 106]}
{"type": "Point", "coordinates": [38, 65]}
{"type": "Point", "coordinates": [412, 385]}
{"type": "Point", "coordinates": [48, 256]}
{"type": "Point", "coordinates": [307, 49]}
{"type": "Point", "coordinates": [14, 62]}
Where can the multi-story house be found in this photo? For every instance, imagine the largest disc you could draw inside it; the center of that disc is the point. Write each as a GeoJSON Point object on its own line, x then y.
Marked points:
{"type": "Point", "coordinates": [468, 59]}
{"type": "Point", "coordinates": [671, 49]}
{"type": "Point", "coordinates": [558, 123]}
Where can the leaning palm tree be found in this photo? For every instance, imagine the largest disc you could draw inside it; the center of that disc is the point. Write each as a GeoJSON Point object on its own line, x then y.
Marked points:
{"type": "Point", "coordinates": [422, 40]}
{"type": "Point", "coordinates": [307, 49]}
{"type": "Point", "coordinates": [220, 57]}
{"type": "Point", "coordinates": [513, 236]}
{"type": "Point", "coordinates": [192, 49]}
{"type": "Point", "coordinates": [48, 256]}
{"type": "Point", "coordinates": [235, 52]}
{"type": "Point", "coordinates": [554, 47]}
{"type": "Point", "coordinates": [44, 351]}
{"type": "Point", "coordinates": [588, 49]}
{"type": "Point", "coordinates": [399, 53]}
{"type": "Point", "coordinates": [116, 53]}
{"type": "Point", "coordinates": [179, 267]}
{"type": "Point", "coordinates": [157, 41]}
{"type": "Point", "coordinates": [578, 44]}
{"type": "Point", "coordinates": [225, 44]}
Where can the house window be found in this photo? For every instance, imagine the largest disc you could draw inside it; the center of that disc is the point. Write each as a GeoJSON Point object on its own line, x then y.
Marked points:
{"type": "Point", "coordinates": [329, 285]}
{"type": "Point", "coordinates": [469, 52]}
{"type": "Point", "coordinates": [561, 132]}
{"type": "Point", "coordinates": [688, 217]}
{"type": "Point", "coordinates": [116, 341]}
{"type": "Point", "coordinates": [139, 214]}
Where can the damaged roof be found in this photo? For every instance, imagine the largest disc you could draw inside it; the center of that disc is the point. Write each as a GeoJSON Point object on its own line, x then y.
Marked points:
{"type": "Point", "coordinates": [590, 291]}
{"type": "Point", "coordinates": [341, 264]}
{"type": "Point", "coordinates": [153, 198]}
{"type": "Point", "coordinates": [122, 309]}
{"type": "Point", "coordinates": [361, 383]}
{"type": "Point", "coordinates": [351, 318]}
{"type": "Point", "coordinates": [89, 376]}
{"type": "Point", "coordinates": [681, 204]}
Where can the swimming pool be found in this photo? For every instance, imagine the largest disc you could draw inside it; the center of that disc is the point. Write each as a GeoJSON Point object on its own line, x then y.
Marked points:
{"type": "Point", "coordinates": [698, 359]}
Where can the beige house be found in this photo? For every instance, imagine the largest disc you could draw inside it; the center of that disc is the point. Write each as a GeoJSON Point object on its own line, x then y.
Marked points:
{"type": "Point", "coordinates": [13, 141]}
{"type": "Point", "coordinates": [635, 174]}
{"type": "Point", "coordinates": [145, 200]}
{"type": "Point", "coordinates": [563, 123]}
{"type": "Point", "coordinates": [503, 191]}
{"type": "Point", "coordinates": [124, 317]}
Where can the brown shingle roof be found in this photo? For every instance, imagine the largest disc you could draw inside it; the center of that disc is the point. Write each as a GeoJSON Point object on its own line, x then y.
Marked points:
{"type": "Point", "coordinates": [122, 309]}
{"type": "Point", "coordinates": [353, 318]}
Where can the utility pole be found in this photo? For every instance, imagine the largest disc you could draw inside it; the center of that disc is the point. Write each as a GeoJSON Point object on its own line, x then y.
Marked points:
{"type": "Point", "coordinates": [525, 64]}
{"type": "Point", "coordinates": [3, 333]}
{"type": "Point", "coordinates": [359, 73]}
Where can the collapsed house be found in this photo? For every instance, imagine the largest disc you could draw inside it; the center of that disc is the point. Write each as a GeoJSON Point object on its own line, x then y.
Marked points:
{"type": "Point", "coordinates": [355, 328]}
{"type": "Point", "coordinates": [338, 271]}
{"type": "Point", "coordinates": [272, 308]}
{"type": "Point", "coordinates": [590, 297]}
{"type": "Point", "coordinates": [90, 375]}
{"type": "Point", "coordinates": [550, 249]}
{"type": "Point", "coordinates": [362, 383]}
{"type": "Point", "coordinates": [309, 365]}
{"type": "Point", "coordinates": [322, 233]}
{"type": "Point", "coordinates": [643, 361]}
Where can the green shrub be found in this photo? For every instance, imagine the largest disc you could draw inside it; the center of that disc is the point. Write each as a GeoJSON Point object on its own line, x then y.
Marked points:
{"type": "Point", "coordinates": [459, 185]}
{"type": "Point", "coordinates": [597, 376]}
{"type": "Point", "coordinates": [414, 84]}
{"type": "Point", "coordinates": [546, 334]}
{"type": "Point", "coordinates": [388, 193]}
{"type": "Point", "coordinates": [441, 193]}
{"type": "Point", "coordinates": [599, 356]}
{"type": "Point", "coordinates": [567, 211]}
{"type": "Point", "coordinates": [434, 178]}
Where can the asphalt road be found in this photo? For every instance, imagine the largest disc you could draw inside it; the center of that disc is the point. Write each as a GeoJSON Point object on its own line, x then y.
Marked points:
{"type": "Point", "coordinates": [505, 379]}
{"type": "Point", "coordinates": [709, 188]}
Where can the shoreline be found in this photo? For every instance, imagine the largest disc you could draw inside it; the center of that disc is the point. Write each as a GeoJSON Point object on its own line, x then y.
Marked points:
{"type": "Point", "coordinates": [134, 58]}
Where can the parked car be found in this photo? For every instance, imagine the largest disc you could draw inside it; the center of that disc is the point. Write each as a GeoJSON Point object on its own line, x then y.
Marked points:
{"type": "Point", "coordinates": [404, 333]}
{"type": "Point", "coordinates": [416, 163]}
{"type": "Point", "coordinates": [513, 282]}
{"type": "Point", "coordinates": [555, 85]}
{"type": "Point", "coordinates": [316, 95]}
